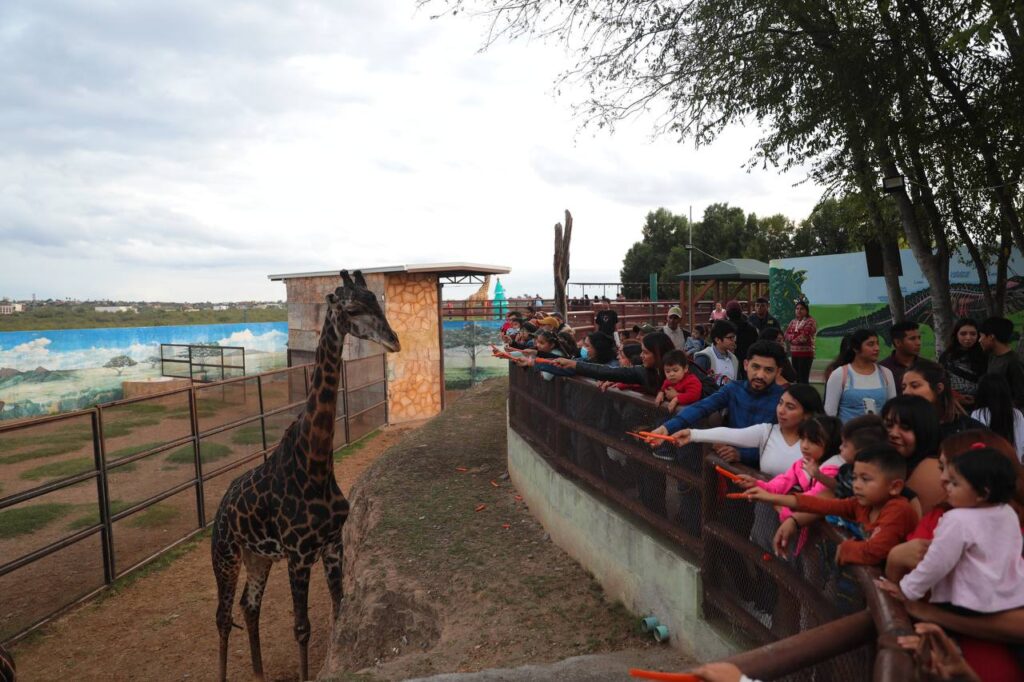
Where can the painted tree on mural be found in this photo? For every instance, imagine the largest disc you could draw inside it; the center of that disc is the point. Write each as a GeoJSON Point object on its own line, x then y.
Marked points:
{"type": "Point", "coordinates": [119, 363]}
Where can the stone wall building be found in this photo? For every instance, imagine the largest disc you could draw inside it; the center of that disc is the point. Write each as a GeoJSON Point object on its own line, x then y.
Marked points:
{"type": "Point", "coordinates": [383, 387]}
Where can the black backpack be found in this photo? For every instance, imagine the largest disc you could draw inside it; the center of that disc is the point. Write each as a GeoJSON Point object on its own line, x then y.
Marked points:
{"type": "Point", "coordinates": [707, 384]}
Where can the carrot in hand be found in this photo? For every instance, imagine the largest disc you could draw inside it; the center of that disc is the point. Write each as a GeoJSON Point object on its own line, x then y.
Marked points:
{"type": "Point", "coordinates": [666, 677]}
{"type": "Point", "coordinates": [728, 474]}
{"type": "Point", "coordinates": [737, 496]}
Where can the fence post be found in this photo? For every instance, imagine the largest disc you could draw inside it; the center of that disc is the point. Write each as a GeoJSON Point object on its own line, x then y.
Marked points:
{"type": "Point", "coordinates": [103, 495]}
{"type": "Point", "coordinates": [197, 454]}
{"type": "Point", "coordinates": [344, 396]}
{"type": "Point", "coordinates": [263, 415]}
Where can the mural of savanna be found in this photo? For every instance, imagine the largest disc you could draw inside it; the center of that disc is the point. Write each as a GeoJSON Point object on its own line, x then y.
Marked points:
{"type": "Point", "coordinates": [51, 371]}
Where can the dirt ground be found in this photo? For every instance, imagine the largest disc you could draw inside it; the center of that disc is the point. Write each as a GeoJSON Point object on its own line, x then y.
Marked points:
{"type": "Point", "coordinates": [431, 584]}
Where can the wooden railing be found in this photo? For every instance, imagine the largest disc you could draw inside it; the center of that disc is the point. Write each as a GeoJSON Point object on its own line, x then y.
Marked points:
{"type": "Point", "coordinates": [806, 615]}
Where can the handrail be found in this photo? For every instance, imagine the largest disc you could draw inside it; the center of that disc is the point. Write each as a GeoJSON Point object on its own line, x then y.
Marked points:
{"type": "Point", "coordinates": [559, 418]}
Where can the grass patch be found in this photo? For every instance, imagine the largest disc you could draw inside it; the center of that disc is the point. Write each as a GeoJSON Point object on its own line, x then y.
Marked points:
{"type": "Point", "coordinates": [116, 428]}
{"type": "Point", "coordinates": [27, 520]}
{"type": "Point", "coordinates": [353, 448]}
{"type": "Point", "coordinates": [142, 408]}
{"type": "Point", "coordinates": [48, 445]}
{"type": "Point", "coordinates": [154, 516]}
{"type": "Point", "coordinates": [92, 516]}
{"type": "Point", "coordinates": [67, 467]}
{"type": "Point", "coordinates": [131, 450]}
{"type": "Point", "coordinates": [208, 452]}
{"type": "Point", "coordinates": [248, 435]}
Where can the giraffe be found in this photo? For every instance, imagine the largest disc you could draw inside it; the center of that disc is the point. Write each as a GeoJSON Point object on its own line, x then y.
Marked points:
{"type": "Point", "coordinates": [7, 669]}
{"type": "Point", "coordinates": [290, 507]}
{"type": "Point", "coordinates": [481, 296]}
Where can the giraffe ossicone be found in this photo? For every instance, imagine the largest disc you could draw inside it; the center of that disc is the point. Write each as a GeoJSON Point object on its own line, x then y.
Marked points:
{"type": "Point", "coordinates": [290, 507]}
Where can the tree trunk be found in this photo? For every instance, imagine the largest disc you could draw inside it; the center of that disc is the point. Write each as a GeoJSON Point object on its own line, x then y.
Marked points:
{"type": "Point", "coordinates": [891, 271]}
{"type": "Point", "coordinates": [1005, 246]}
{"type": "Point", "coordinates": [934, 266]}
{"type": "Point", "coordinates": [561, 264]}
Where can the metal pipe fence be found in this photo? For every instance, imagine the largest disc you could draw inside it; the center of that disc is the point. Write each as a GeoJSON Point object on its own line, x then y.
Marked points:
{"type": "Point", "coordinates": [90, 496]}
{"type": "Point", "coordinates": [747, 591]}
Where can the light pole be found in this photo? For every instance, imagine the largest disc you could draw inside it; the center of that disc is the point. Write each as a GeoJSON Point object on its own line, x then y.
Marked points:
{"type": "Point", "coordinates": [689, 271]}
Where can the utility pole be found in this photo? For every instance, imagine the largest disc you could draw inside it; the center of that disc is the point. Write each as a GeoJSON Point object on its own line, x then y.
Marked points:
{"type": "Point", "coordinates": [689, 271]}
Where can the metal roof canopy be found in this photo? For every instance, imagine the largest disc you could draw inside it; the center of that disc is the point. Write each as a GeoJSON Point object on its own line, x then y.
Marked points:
{"type": "Point", "coordinates": [456, 273]}
{"type": "Point", "coordinates": [731, 270]}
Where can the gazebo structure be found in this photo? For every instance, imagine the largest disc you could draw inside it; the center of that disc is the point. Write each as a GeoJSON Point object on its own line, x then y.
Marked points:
{"type": "Point", "coordinates": [728, 279]}
{"type": "Point", "coordinates": [390, 388]}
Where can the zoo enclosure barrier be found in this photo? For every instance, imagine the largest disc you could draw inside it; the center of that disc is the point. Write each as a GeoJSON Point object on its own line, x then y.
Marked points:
{"type": "Point", "coordinates": [846, 627]}
{"type": "Point", "coordinates": [90, 496]}
{"type": "Point", "coordinates": [200, 362]}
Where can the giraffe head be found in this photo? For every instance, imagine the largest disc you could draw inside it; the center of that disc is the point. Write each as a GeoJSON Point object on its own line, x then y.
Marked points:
{"type": "Point", "coordinates": [357, 312]}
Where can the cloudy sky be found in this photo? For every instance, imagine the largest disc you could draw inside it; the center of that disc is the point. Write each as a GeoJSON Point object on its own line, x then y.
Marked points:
{"type": "Point", "coordinates": [186, 150]}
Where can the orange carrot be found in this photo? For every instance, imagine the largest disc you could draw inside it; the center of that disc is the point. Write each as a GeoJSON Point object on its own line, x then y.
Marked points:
{"type": "Point", "coordinates": [544, 361]}
{"type": "Point", "coordinates": [494, 484]}
{"type": "Point", "coordinates": [506, 526]}
{"type": "Point", "coordinates": [480, 507]}
{"type": "Point", "coordinates": [666, 677]}
{"type": "Point", "coordinates": [518, 498]}
{"type": "Point", "coordinates": [728, 474]}
{"type": "Point", "coordinates": [737, 496]}
{"type": "Point", "coordinates": [462, 469]}
{"type": "Point", "coordinates": [657, 436]}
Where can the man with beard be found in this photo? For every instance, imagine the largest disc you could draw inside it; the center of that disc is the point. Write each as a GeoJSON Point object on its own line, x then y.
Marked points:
{"type": "Point", "coordinates": [749, 402]}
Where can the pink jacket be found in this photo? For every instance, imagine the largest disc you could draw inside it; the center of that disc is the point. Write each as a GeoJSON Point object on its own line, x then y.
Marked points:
{"type": "Point", "coordinates": [796, 478]}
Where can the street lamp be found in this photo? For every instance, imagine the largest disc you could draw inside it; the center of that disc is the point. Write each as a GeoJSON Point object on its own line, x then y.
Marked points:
{"type": "Point", "coordinates": [893, 185]}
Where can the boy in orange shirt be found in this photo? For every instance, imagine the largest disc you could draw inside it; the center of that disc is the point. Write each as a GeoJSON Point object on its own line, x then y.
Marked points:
{"type": "Point", "coordinates": [885, 515]}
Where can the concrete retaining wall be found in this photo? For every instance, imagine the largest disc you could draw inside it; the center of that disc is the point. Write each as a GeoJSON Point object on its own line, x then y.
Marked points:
{"type": "Point", "coordinates": [649, 576]}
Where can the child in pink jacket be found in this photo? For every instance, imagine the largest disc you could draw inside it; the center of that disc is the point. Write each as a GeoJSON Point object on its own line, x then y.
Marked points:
{"type": "Point", "coordinates": [820, 437]}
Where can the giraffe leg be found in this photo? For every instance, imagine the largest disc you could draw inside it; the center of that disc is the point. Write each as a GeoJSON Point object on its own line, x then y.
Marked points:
{"type": "Point", "coordinates": [298, 575]}
{"type": "Point", "coordinates": [226, 564]}
{"type": "Point", "coordinates": [332, 555]}
{"type": "Point", "coordinates": [257, 569]}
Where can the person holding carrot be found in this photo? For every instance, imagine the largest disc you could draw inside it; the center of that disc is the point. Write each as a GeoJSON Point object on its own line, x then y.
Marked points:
{"type": "Point", "coordinates": [885, 516]}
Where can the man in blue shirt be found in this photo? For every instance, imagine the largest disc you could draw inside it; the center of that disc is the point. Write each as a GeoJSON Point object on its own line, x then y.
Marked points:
{"type": "Point", "coordinates": [749, 402]}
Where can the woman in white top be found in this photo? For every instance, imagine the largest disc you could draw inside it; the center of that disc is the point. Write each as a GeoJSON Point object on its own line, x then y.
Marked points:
{"type": "Point", "coordinates": [859, 385]}
{"type": "Point", "coordinates": [994, 408]}
{"type": "Point", "coordinates": [779, 444]}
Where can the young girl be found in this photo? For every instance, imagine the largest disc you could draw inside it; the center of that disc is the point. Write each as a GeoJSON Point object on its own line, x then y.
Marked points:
{"type": "Point", "coordinates": [973, 565]}
{"type": "Point", "coordinates": [820, 437]}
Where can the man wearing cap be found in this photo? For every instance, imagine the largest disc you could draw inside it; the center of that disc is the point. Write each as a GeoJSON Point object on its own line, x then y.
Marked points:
{"type": "Point", "coordinates": [673, 330]}
{"type": "Point", "coordinates": [762, 319]}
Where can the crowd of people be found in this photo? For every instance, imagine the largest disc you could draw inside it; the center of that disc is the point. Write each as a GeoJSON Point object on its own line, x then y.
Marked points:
{"type": "Point", "coordinates": [919, 460]}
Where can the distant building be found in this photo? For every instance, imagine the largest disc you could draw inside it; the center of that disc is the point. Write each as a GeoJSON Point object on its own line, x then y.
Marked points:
{"type": "Point", "coordinates": [221, 306]}
{"type": "Point", "coordinates": [8, 308]}
{"type": "Point", "coordinates": [114, 309]}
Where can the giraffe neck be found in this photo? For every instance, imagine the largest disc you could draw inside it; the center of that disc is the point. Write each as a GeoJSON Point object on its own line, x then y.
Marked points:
{"type": "Point", "coordinates": [321, 403]}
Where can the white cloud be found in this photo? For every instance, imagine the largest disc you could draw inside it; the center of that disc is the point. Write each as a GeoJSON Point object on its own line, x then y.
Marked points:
{"type": "Point", "coordinates": [186, 150]}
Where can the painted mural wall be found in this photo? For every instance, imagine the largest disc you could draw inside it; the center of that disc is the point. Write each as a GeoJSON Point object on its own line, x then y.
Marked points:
{"type": "Point", "coordinates": [467, 355]}
{"type": "Point", "coordinates": [45, 372]}
{"type": "Point", "coordinates": [843, 297]}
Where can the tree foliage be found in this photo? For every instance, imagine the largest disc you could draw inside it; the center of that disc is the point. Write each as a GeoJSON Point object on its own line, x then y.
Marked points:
{"type": "Point", "coordinates": [858, 90]}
